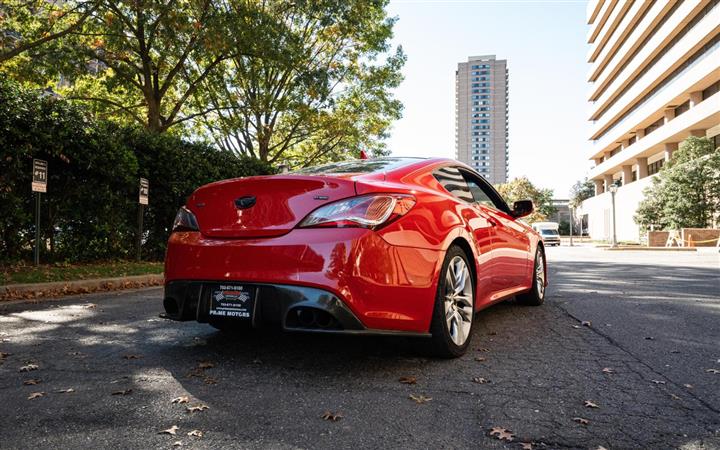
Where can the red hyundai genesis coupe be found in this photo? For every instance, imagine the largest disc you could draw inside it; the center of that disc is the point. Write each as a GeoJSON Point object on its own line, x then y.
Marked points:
{"type": "Point", "coordinates": [400, 246]}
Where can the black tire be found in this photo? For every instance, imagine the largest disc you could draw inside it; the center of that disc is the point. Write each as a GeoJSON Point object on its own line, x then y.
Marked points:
{"type": "Point", "coordinates": [443, 337]}
{"type": "Point", "coordinates": [536, 295]}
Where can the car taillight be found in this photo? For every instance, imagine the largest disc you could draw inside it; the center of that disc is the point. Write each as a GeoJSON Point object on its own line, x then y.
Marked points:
{"type": "Point", "coordinates": [366, 211]}
{"type": "Point", "coordinates": [185, 221]}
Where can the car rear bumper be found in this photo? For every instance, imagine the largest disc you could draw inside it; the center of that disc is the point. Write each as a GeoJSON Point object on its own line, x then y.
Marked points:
{"type": "Point", "coordinates": [293, 308]}
{"type": "Point", "coordinates": [364, 283]}
{"type": "Point", "coordinates": [552, 241]}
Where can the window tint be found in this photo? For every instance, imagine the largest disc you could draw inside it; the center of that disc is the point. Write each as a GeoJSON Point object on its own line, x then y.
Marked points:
{"type": "Point", "coordinates": [479, 195]}
{"type": "Point", "coordinates": [453, 181]}
{"type": "Point", "coordinates": [484, 193]}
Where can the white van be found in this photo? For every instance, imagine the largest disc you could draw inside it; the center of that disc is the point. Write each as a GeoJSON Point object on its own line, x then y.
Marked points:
{"type": "Point", "coordinates": [548, 231]}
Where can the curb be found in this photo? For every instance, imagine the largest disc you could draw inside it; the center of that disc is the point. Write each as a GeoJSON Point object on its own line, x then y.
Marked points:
{"type": "Point", "coordinates": [60, 288]}
{"type": "Point", "coordinates": [649, 249]}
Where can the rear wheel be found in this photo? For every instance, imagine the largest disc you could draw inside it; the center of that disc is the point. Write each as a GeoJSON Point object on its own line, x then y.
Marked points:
{"type": "Point", "coordinates": [454, 306]}
{"type": "Point", "coordinates": [536, 295]}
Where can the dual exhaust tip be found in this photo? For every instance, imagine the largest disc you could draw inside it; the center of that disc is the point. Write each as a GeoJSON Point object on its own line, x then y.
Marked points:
{"type": "Point", "coordinates": [312, 318]}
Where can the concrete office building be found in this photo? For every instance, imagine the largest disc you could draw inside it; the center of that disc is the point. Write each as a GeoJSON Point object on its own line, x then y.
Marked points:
{"type": "Point", "coordinates": [653, 81]}
{"type": "Point", "coordinates": [481, 116]}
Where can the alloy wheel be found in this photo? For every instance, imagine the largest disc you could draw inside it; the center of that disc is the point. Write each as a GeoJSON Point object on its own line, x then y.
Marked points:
{"type": "Point", "coordinates": [540, 275]}
{"type": "Point", "coordinates": [458, 300]}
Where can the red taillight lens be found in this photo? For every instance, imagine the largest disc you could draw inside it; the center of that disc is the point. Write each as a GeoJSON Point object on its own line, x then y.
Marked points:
{"type": "Point", "coordinates": [368, 211]}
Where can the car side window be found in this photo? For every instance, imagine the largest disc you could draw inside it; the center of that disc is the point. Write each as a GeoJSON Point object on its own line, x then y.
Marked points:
{"type": "Point", "coordinates": [453, 181]}
{"type": "Point", "coordinates": [483, 193]}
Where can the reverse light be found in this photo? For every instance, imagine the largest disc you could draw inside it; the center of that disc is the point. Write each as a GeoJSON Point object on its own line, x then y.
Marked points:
{"type": "Point", "coordinates": [366, 211]}
{"type": "Point", "coordinates": [185, 221]}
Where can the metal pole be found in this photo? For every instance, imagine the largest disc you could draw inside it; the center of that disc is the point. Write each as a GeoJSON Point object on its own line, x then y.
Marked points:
{"type": "Point", "coordinates": [614, 237]}
{"type": "Point", "coordinates": [572, 223]}
{"type": "Point", "coordinates": [37, 229]}
{"type": "Point", "coordinates": [140, 231]}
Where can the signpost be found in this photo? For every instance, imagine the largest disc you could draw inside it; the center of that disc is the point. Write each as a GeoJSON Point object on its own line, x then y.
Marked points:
{"type": "Point", "coordinates": [142, 200]}
{"type": "Point", "coordinates": [39, 185]}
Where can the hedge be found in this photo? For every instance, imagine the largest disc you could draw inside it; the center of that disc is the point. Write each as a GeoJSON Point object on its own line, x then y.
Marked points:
{"type": "Point", "coordinates": [90, 210]}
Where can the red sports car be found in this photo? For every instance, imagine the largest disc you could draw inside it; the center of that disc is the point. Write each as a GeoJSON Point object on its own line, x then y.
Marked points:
{"type": "Point", "coordinates": [400, 246]}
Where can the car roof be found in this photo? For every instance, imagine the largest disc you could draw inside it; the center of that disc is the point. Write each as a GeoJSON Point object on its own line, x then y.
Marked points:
{"type": "Point", "coordinates": [369, 168]}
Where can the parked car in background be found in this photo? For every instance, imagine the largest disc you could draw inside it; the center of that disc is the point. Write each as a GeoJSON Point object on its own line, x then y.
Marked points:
{"type": "Point", "coordinates": [394, 246]}
{"type": "Point", "coordinates": [548, 232]}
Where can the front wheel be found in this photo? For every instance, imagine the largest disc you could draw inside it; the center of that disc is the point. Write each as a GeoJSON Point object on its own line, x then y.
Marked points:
{"type": "Point", "coordinates": [536, 295]}
{"type": "Point", "coordinates": [454, 306]}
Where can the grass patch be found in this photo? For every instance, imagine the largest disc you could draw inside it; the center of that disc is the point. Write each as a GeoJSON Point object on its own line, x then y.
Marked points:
{"type": "Point", "coordinates": [21, 274]}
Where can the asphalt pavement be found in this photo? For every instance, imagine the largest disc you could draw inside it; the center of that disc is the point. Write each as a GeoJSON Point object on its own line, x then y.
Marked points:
{"type": "Point", "coordinates": [625, 353]}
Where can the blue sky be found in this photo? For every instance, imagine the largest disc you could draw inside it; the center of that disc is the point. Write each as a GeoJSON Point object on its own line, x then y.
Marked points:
{"type": "Point", "coordinates": [544, 43]}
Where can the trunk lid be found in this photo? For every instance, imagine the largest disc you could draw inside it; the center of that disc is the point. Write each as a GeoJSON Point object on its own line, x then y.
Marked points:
{"type": "Point", "coordinates": [264, 206]}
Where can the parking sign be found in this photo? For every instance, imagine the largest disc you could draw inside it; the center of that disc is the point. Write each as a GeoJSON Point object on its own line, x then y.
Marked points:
{"type": "Point", "coordinates": [144, 191]}
{"type": "Point", "coordinates": [39, 175]}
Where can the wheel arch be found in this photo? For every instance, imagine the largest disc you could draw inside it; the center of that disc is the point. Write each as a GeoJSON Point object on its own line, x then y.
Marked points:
{"type": "Point", "coordinates": [465, 246]}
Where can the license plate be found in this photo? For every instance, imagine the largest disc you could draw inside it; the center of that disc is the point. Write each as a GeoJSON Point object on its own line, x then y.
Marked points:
{"type": "Point", "coordinates": [233, 301]}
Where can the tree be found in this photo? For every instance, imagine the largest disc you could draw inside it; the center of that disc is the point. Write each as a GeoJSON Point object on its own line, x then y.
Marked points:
{"type": "Point", "coordinates": [31, 24]}
{"type": "Point", "coordinates": [324, 93]}
{"type": "Point", "coordinates": [686, 192]}
{"type": "Point", "coordinates": [581, 191]}
{"type": "Point", "coordinates": [148, 58]}
{"type": "Point", "coordinates": [521, 189]}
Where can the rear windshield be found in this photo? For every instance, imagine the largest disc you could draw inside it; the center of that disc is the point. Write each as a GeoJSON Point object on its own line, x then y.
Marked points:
{"type": "Point", "coordinates": [358, 166]}
{"type": "Point", "coordinates": [548, 232]}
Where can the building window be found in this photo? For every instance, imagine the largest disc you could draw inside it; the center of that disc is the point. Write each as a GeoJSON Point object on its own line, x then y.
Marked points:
{"type": "Point", "coordinates": [682, 108]}
{"type": "Point", "coordinates": [655, 167]}
{"type": "Point", "coordinates": [654, 126]}
{"type": "Point", "coordinates": [711, 90]}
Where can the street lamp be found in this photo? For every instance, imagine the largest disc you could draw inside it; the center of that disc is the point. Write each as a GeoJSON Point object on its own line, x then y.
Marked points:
{"type": "Point", "coordinates": [572, 222]}
{"type": "Point", "coordinates": [613, 190]}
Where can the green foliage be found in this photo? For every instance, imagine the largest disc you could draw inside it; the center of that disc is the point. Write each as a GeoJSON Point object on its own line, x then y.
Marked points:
{"type": "Point", "coordinates": [90, 210]}
{"type": "Point", "coordinates": [686, 191]}
{"type": "Point", "coordinates": [581, 191]}
{"type": "Point", "coordinates": [523, 189]}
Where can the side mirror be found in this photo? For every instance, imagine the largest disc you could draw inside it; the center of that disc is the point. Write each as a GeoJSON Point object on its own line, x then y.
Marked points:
{"type": "Point", "coordinates": [522, 208]}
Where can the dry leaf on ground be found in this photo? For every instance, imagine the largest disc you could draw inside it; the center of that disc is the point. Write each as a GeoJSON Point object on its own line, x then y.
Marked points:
{"type": "Point", "coordinates": [483, 349]}
{"type": "Point", "coordinates": [689, 386]}
{"type": "Point", "coordinates": [715, 371]}
{"type": "Point", "coordinates": [502, 433]}
{"type": "Point", "coordinates": [589, 404]}
{"type": "Point", "coordinates": [480, 358]}
{"type": "Point", "coordinates": [658, 381]}
{"type": "Point", "coordinates": [64, 391]}
{"type": "Point", "coordinates": [29, 368]}
{"type": "Point", "coordinates": [32, 382]}
{"type": "Point", "coordinates": [526, 446]}
{"type": "Point", "coordinates": [205, 365]}
{"type": "Point", "coordinates": [196, 433]}
{"type": "Point", "coordinates": [331, 416]}
{"type": "Point", "coordinates": [420, 398]}
{"type": "Point", "coordinates": [197, 408]}
{"type": "Point", "coordinates": [408, 380]}
{"type": "Point", "coordinates": [480, 380]}
{"type": "Point", "coordinates": [210, 380]}
{"type": "Point", "coordinates": [581, 421]}
{"type": "Point", "coordinates": [123, 392]}
{"type": "Point", "coordinates": [586, 323]}
{"type": "Point", "coordinates": [172, 430]}
{"type": "Point", "coordinates": [608, 370]}
{"type": "Point", "coordinates": [177, 444]}
{"type": "Point", "coordinates": [182, 399]}
{"type": "Point", "coordinates": [35, 395]}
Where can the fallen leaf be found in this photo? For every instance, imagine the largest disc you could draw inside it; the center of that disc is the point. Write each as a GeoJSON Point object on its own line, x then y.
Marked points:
{"type": "Point", "coordinates": [581, 421]}
{"type": "Point", "coordinates": [586, 323]}
{"type": "Point", "coordinates": [577, 327]}
{"type": "Point", "coordinates": [715, 371]}
{"type": "Point", "coordinates": [526, 446]}
{"type": "Point", "coordinates": [689, 386]}
{"type": "Point", "coordinates": [332, 417]}
{"type": "Point", "coordinates": [420, 398]}
{"type": "Point", "coordinates": [205, 365]}
{"type": "Point", "coordinates": [480, 359]}
{"type": "Point", "coordinates": [123, 392]}
{"type": "Point", "coordinates": [183, 399]}
{"type": "Point", "coordinates": [132, 356]}
{"type": "Point", "coordinates": [64, 391]}
{"type": "Point", "coordinates": [177, 444]}
{"type": "Point", "coordinates": [658, 381]}
{"type": "Point", "coordinates": [29, 368]}
{"type": "Point", "coordinates": [4, 355]}
{"type": "Point", "coordinates": [483, 349]}
{"type": "Point", "coordinates": [502, 434]}
{"type": "Point", "coordinates": [172, 430]}
{"type": "Point", "coordinates": [480, 380]}
{"type": "Point", "coordinates": [35, 395]}
{"type": "Point", "coordinates": [196, 433]}
{"type": "Point", "coordinates": [197, 408]}
{"type": "Point", "coordinates": [210, 380]}
{"type": "Point", "coordinates": [608, 370]}
{"type": "Point", "coordinates": [675, 397]}
{"type": "Point", "coordinates": [408, 380]}
{"type": "Point", "coordinates": [31, 382]}
{"type": "Point", "coordinates": [649, 338]}
{"type": "Point", "coordinates": [589, 404]}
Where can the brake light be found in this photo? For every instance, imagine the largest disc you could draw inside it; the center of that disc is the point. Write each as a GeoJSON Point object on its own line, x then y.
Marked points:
{"type": "Point", "coordinates": [366, 211]}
